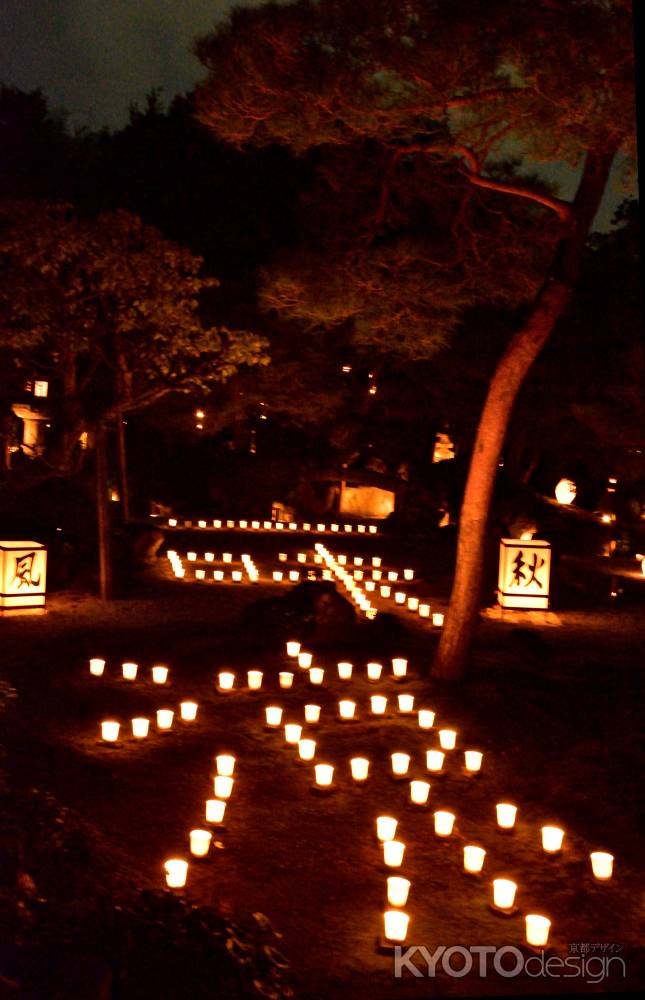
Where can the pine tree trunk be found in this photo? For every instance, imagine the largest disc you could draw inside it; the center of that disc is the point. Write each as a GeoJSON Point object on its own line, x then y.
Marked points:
{"type": "Point", "coordinates": [524, 347]}
{"type": "Point", "coordinates": [123, 468]}
{"type": "Point", "coordinates": [103, 514]}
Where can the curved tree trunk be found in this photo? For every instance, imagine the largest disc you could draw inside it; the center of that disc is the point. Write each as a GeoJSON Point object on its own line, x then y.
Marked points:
{"type": "Point", "coordinates": [511, 371]}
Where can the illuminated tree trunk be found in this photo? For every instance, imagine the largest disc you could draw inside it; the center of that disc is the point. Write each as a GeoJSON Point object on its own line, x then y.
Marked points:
{"type": "Point", "coordinates": [123, 467]}
{"type": "Point", "coordinates": [463, 613]}
{"type": "Point", "coordinates": [103, 514]}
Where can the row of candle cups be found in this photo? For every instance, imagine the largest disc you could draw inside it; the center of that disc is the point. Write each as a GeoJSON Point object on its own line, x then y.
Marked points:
{"type": "Point", "coordinates": [110, 729]}
{"type": "Point", "coordinates": [129, 671]}
{"type": "Point", "coordinates": [245, 525]}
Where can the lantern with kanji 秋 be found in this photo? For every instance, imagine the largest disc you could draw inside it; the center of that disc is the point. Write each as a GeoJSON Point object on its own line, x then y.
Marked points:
{"type": "Point", "coordinates": [524, 571]}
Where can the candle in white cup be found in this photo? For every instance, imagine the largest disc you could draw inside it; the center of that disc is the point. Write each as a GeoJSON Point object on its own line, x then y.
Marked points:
{"type": "Point", "coordinates": [345, 671]}
{"type": "Point", "coordinates": [360, 768]}
{"type": "Point", "coordinates": [347, 709]}
{"type": "Point", "coordinates": [386, 827]}
{"type": "Point", "coordinates": [286, 679]}
{"type": "Point", "coordinates": [447, 739]}
{"type": "Point", "coordinates": [316, 675]}
{"type": "Point", "coordinates": [304, 659]}
{"type": "Point", "coordinates": [292, 732]}
{"type": "Point", "coordinates": [393, 851]}
{"type": "Point", "coordinates": [443, 823]}
{"type": "Point", "coordinates": [225, 680]}
{"type": "Point", "coordinates": [200, 841]}
{"type": "Point", "coordinates": [159, 674]}
{"type": "Point", "coordinates": [374, 671]}
{"type": "Point", "coordinates": [176, 872]}
{"type": "Point", "coordinates": [473, 760]}
{"type": "Point", "coordinates": [312, 714]}
{"type": "Point", "coordinates": [293, 648]}
{"type": "Point", "coordinates": [406, 703]}
{"type": "Point", "coordinates": [165, 718]}
{"type": "Point", "coordinates": [434, 760]}
{"type": "Point", "coordinates": [140, 728]}
{"type": "Point", "coordinates": [273, 716]}
{"type": "Point", "coordinates": [506, 814]}
{"type": "Point", "coordinates": [397, 890]}
{"type": "Point", "coordinates": [324, 775]}
{"type": "Point", "coordinates": [426, 718]}
{"type": "Point", "coordinates": [378, 704]}
{"type": "Point", "coordinates": [399, 666]}
{"type": "Point", "coordinates": [602, 865]}
{"type": "Point", "coordinates": [188, 710]}
{"type": "Point", "coordinates": [504, 893]}
{"type": "Point", "coordinates": [110, 731]}
{"type": "Point", "coordinates": [215, 809]}
{"type": "Point", "coordinates": [537, 929]}
{"type": "Point", "coordinates": [225, 764]}
{"type": "Point", "coordinates": [306, 749]}
{"type": "Point", "coordinates": [254, 679]}
{"type": "Point", "coordinates": [419, 792]}
{"type": "Point", "coordinates": [395, 925]}
{"type": "Point", "coordinates": [129, 671]}
{"type": "Point", "coordinates": [437, 620]}
{"type": "Point", "coordinates": [552, 837]}
{"type": "Point", "coordinates": [400, 763]}
{"type": "Point", "coordinates": [223, 786]}
{"type": "Point", "coordinates": [473, 858]}
{"type": "Point", "coordinates": [97, 667]}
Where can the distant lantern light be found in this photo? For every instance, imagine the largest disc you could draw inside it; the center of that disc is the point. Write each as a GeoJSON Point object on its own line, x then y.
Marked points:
{"type": "Point", "coordinates": [277, 575]}
{"type": "Point", "coordinates": [225, 680]}
{"type": "Point", "coordinates": [200, 842]}
{"type": "Point", "coordinates": [324, 775]}
{"type": "Point", "coordinates": [254, 679]}
{"type": "Point", "coordinates": [434, 760]}
{"type": "Point", "coordinates": [304, 659]}
{"type": "Point", "coordinates": [292, 732]}
{"type": "Point", "coordinates": [345, 671]}
{"type": "Point", "coordinates": [424, 611]}
{"type": "Point", "coordinates": [293, 648]}
{"type": "Point", "coordinates": [395, 926]}
{"type": "Point", "coordinates": [447, 739]}
{"type": "Point", "coordinates": [306, 749]}
{"type": "Point", "coordinates": [347, 709]}
{"type": "Point", "coordinates": [385, 590]}
{"type": "Point", "coordinates": [286, 679]}
{"type": "Point", "coordinates": [374, 671]}
{"type": "Point", "coordinates": [223, 786]}
{"type": "Point", "coordinates": [316, 675]}
{"type": "Point", "coordinates": [399, 666]}
{"type": "Point", "coordinates": [473, 760]}
{"type": "Point", "coordinates": [406, 703]}
{"type": "Point", "coordinates": [537, 929]}
{"type": "Point", "coordinates": [565, 491]}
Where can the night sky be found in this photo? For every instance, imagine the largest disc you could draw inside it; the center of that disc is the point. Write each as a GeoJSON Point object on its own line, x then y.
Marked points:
{"type": "Point", "coordinates": [93, 58]}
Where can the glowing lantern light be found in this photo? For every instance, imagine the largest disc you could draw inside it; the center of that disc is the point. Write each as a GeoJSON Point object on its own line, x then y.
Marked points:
{"type": "Point", "coordinates": [397, 890]}
{"type": "Point", "coordinates": [304, 660]}
{"type": "Point", "coordinates": [218, 575]}
{"type": "Point", "coordinates": [358, 574]}
{"type": "Point", "coordinates": [504, 893]}
{"type": "Point", "coordinates": [225, 680]}
{"type": "Point", "coordinates": [306, 749]}
{"type": "Point", "coordinates": [565, 491]}
{"type": "Point", "coordinates": [406, 703]}
{"type": "Point", "coordinates": [372, 529]}
{"type": "Point", "coordinates": [200, 574]}
{"type": "Point", "coordinates": [294, 575]}
{"type": "Point", "coordinates": [386, 827]}
{"type": "Point", "coordinates": [316, 675]}
{"type": "Point", "coordinates": [552, 837]}
{"type": "Point", "coordinates": [236, 575]}
{"type": "Point", "coordinates": [201, 524]}
{"type": "Point", "coordinates": [393, 851]}
{"type": "Point", "coordinates": [227, 557]}
{"type": "Point", "coordinates": [172, 522]}
{"type": "Point", "coordinates": [395, 924]}
{"type": "Point", "coordinates": [447, 739]}
{"type": "Point", "coordinates": [292, 732]}
{"type": "Point", "coordinates": [400, 764]}
{"type": "Point", "coordinates": [312, 714]}
{"type": "Point", "coordinates": [273, 715]}
{"type": "Point", "coordinates": [413, 603]}
{"type": "Point", "coordinates": [392, 576]}
{"type": "Point", "coordinates": [164, 718]}
{"type": "Point", "coordinates": [215, 809]}
{"type": "Point", "coordinates": [438, 619]}
{"type": "Point", "coordinates": [282, 556]}
{"type": "Point", "coordinates": [266, 525]}
{"type": "Point", "coordinates": [473, 858]}
{"type": "Point", "coordinates": [255, 525]}
{"type": "Point", "coordinates": [302, 557]}
{"type": "Point", "coordinates": [342, 560]}
{"type": "Point", "coordinates": [225, 764]}
{"type": "Point", "coordinates": [209, 556]}
{"type": "Point", "coordinates": [424, 611]}
{"type": "Point", "coordinates": [293, 648]}
{"type": "Point", "coordinates": [188, 711]}
{"type": "Point", "coordinates": [222, 786]}
{"type": "Point", "coordinates": [419, 792]}
{"type": "Point", "coordinates": [320, 527]}
{"type": "Point", "coordinates": [399, 667]}
{"type": "Point", "coordinates": [408, 574]}
{"type": "Point", "coordinates": [378, 704]}
{"type": "Point", "coordinates": [345, 671]}
{"type": "Point", "coordinates": [159, 674]}
{"type": "Point", "coordinates": [385, 590]}
{"type": "Point", "coordinates": [324, 775]}
{"type": "Point", "coordinates": [370, 586]}
{"type": "Point", "coordinates": [286, 679]}
{"type": "Point", "coordinates": [400, 597]}
{"type": "Point", "coordinates": [443, 823]}
{"type": "Point", "coordinates": [434, 760]}
{"type": "Point", "coordinates": [200, 841]}
{"type": "Point", "coordinates": [230, 524]}
{"type": "Point", "coordinates": [473, 759]}
{"type": "Point", "coordinates": [374, 671]}
{"type": "Point", "coordinates": [277, 575]}
{"type": "Point", "coordinates": [377, 574]}
{"type": "Point", "coordinates": [347, 709]}
{"type": "Point", "coordinates": [426, 718]}
{"type": "Point", "coordinates": [506, 814]}
{"type": "Point", "coordinates": [602, 865]}
{"type": "Point", "coordinates": [524, 571]}
{"type": "Point", "coordinates": [537, 929]}
{"type": "Point", "coordinates": [97, 667]}
{"type": "Point", "coordinates": [254, 678]}
{"type": "Point", "coordinates": [129, 671]}
{"type": "Point", "coordinates": [176, 872]}
{"type": "Point", "coordinates": [140, 728]}
{"type": "Point", "coordinates": [217, 524]}
{"type": "Point", "coordinates": [360, 767]}
{"type": "Point", "coordinates": [110, 731]}
{"type": "Point", "coordinates": [191, 556]}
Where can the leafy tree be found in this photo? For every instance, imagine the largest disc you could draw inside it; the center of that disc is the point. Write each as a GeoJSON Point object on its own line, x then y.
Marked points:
{"type": "Point", "coordinates": [457, 89]}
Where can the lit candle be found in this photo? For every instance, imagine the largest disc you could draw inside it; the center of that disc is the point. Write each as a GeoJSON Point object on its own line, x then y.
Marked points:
{"type": "Point", "coordinates": [377, 575]}
{"type": "Point", "coordinates": [504, 893]}
{"type": "Point", "coordinates": [324, 775]}
{"type": "Point", "coordinates": [413, 603]}
{"type": "Point", "coordinates": [191, 556]}
{"type": "Point", "coordinates": [406, 703]}
{"type": "Point", "coordinates": [386, 827]}
{"type": "Point", "coordinates": [225, 680]}
{"type": "Point", "coordinates": [215, 809]}
{"type": "Point", "coordinates": [140, 728]}
{"type": "Point", "coordinates": [286, 679]}
{"type": "Point", "coordinates": [312, 714]}
{"type": "Point", "coordinates": [393, 851]}
{"type": "Point", "coordinates": [188, 711]}
{"type": "Point", "coordinates": [372, 529]}
{"type": "Point", "coordinates": [345, 671]}
{"type": "Point", "coordinates": [397, 890]}
{"type": "Point", "coordinates": [200, 841]}
{"type": "Point", "coordinates": [316, 675]}
{"type": "Point", "coordinates": [217, 523]}
{"type": "Point", "coordinates": [97, 667]}
{"type": "Point", "coordinates": [408, 574]}
{"type": "Point", "coordinates": [443, 823]}
{"type": "Point", "coordinates": [342, 560]}
{"type": "Point", "coordinates": [282, 556]}
{"type": "Point", "coordinates": [110, 731]}
{"type": "Point", "coordinates": [370, 586]}
{"type": "Point", "coordinates": [419, 792]}
{"type": "Point", "coordinates": [236, 575]}
{"type": "Point", "coordinates": [255, 525]}
{"type": "Point", "coordinates": [304, 660]}
{"type": "Point", "coordinates": [306, 749]}
{"type": "Point", "coordinates": [267, 525]}
{"type": "Point", "coordinates": [273, 715]}
{"type": "Point", "coordinates": [209, 556]}
{"type": "Point", "coordinates": [447, 739]}
{"type": "Point", "coordinates": [360, 767]}
{"type": "Point", "coordinates": [537, 929]}
{"type": "Point", "coordinates": [218, 575]}
{"type": "Point", "coordinates": [392, 576]}
{"type": "Point", "coordinates": [552, 837]}
{"type": "Point", "coordinates": [358, 574]}
{"type": "Point", "coordinates": [200, 574]}
{"type": "Point", "coordinates": [400, 597]}
{"type": "Point", "coordinates": [434, 760]}
{"type": "Point", "coordinates": [506, 814]}
{"type": "Point", "coordinates": [399, 666]}
{"type": "Point", "coordinates": [385, 590]}
{"type": "Point", "coordinates": [400, 763]}
{"type": "Point", "coordinates": [346, 709]}
{"type": "Point", "coordinates": [277, 575]}
{"type": "Point", "coordinates": [294, 575]}
{"type": "Point", "coordinates": [602, 865]}
{"type": "Point", "coordinates": [225, 763]}
{"type": "Point", "coordinates": [378, 704]}
{"type": "Point", "coordinates": [254, 679]}
{"type": "Point", "coordinates": [159, 674]}
{"type": "Point", "coordinates": [223, 786]}
{"type": "Point", "coordinates": [293, 648]}
{"type": "Point", "coordinates": [176, 872]}
{"type": "Point", "coordinates": [172, 522]}
{"type": "Point", "coordinates": [292, 732]}
{"type": "Point", "coordinates": [244, 525]}
{"type": "Point", "coordinates": [473, 760]}
{"type": "Point", "coordinates": [473, 858]}
{"type": "Point", "coordinates": [374, 671]}
{"type": "Point", "coordinates": [164, 718]}
{"type": "Point", "coordinates": [395, 924]}
{"type": "Point", "coordinates": [437, 620]}
{"type": "Point", "coordinates": [227, 557]}
{"type": "Point", "coordinates": [424, 611]}
{"type": "Point", "coordinates": [302, 557]}
{"type": "Point", "coordinates": [129, 671]}
{"type": "Point", "coordinates": [426, 718]}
